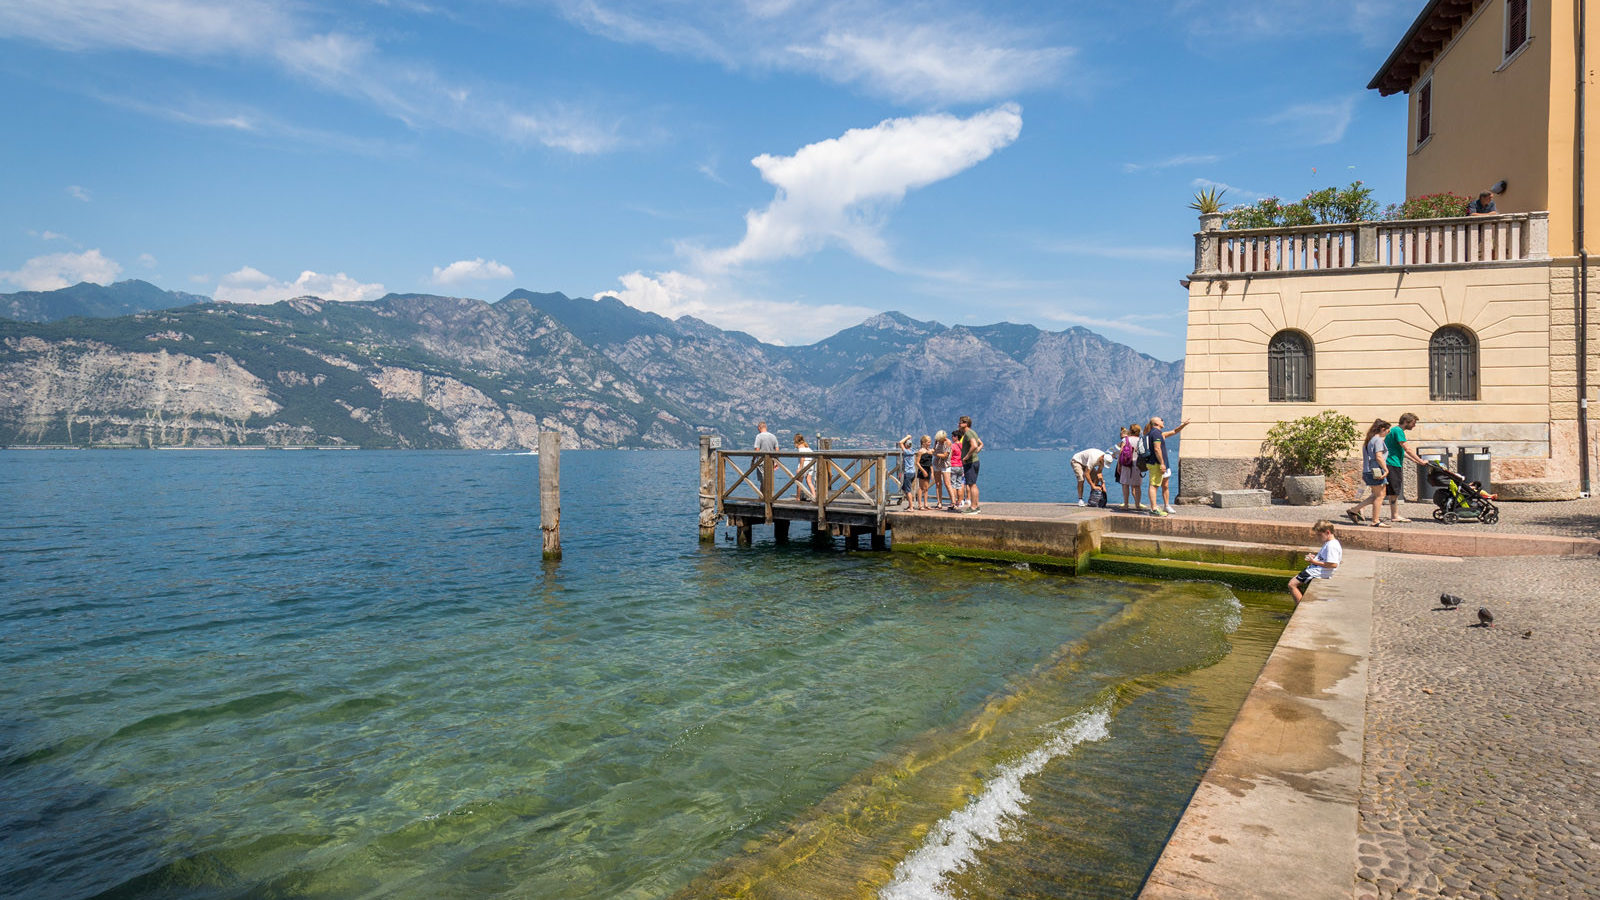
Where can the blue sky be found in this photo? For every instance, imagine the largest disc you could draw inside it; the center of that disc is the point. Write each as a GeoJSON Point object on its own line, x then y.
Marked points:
{"type": "Point", "coordinates": [785, 167]}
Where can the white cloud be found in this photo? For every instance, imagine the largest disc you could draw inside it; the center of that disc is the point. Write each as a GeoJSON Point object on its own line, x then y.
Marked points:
{"type": "Point", "coordinates": [1235, 194]}
{"type": "Point", "coordinates": [1120, 251]}
{"type": "Point", "coordinates": [58, 270]}
{"type": "Point", "coordinates": [478, 269]}
{"type": "Point", "coordinates": [78, 192]}
{"type": "Point", "coordinates": [838, 191]}
{"type": "Point", "coordinates": [1376, 23]}
{"type": "Point", "coordinates": [933, 62]}
{"type": "Point", "coordinates": [938, 51]}
{"type": "Point", "coordinates": [251, 285]}
{"type": "Point", "coordinates": [54, 236]}
{"type": "Point", "coordinates": [1314, 123]}
{"type": "Point", "coordinates": [147, 260]}
{"type": "Point", "coordinates": [281, 36]}
{"type": "Point", "coordinates": [675, 294]}
{"type": "Point", "coordinates": [1191, 159]}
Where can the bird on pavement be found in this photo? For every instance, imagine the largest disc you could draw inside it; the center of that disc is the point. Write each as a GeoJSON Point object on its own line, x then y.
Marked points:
{"type": "Point", "coordinates": [1449, 601]}
{"type": "Point", "coordinates": [1485, 618]}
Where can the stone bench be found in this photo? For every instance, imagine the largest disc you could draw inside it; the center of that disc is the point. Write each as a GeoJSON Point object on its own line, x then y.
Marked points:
{"type": "Point", "coordinates": [1240, 499]}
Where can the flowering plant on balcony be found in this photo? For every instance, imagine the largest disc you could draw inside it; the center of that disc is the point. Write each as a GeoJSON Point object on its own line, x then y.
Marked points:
{"type": "Point", "coordinates": [1443, 205]}
{"type": "Point", "coordinates": [1329, 206]}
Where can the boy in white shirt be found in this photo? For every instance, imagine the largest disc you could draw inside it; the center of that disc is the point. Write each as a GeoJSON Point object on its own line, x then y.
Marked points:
{"type": "Point", "coordinates": [1323, 562]}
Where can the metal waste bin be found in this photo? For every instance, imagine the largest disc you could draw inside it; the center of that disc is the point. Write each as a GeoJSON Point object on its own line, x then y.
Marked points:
{"type": "Point", "coordinates": [1425, 487]}
{"type": "Point", "coordinates": [1472, 463]}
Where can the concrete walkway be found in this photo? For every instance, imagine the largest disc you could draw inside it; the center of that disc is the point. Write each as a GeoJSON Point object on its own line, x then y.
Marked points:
{"type": "Point", "coordinates": [1276, 814]}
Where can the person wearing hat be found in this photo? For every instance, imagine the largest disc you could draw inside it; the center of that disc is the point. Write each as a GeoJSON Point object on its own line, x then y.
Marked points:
{"type": "Point", "coordinates": [1483, 206]}
{"type": "Point", "coordinates": [1089, 465]}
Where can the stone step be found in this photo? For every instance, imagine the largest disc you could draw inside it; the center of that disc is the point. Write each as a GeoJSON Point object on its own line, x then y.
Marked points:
{"type": "Point", "coordinates": [1245, 578]}
{"type": "Point", "coordinates": [1460, 541]}
{"type": "Point", "coordinates": [1167, 546]}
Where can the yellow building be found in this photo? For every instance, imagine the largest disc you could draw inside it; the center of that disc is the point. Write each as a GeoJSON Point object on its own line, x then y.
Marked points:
{"type": "Point", "coordinates": [1470, 323]}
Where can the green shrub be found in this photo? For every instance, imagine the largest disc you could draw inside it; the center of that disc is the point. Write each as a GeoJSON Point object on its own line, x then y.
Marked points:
{"type": "Point", "coordinates": [1429, 206]}
{"type": "Point", "coordinates": [1329, 206]}
{"type": "Point", "coordinates": [1311, 445]}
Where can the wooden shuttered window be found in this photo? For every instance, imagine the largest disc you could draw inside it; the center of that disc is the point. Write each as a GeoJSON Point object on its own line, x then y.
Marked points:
{"type": "Point", "coordinates": [1424, 111]}
{"type": "Point", "coordinates": [1453, 365]}
{"type": "Point", "coordinates": [1516, 25]}
{"type": "Point", "coordinates": [1289, 368]}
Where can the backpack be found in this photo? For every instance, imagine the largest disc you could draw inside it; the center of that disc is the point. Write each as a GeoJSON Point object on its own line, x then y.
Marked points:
{"type": "Point", "coordinates": [1125, 458]}
{"type": "Point", "coordinates": [1147, 453]}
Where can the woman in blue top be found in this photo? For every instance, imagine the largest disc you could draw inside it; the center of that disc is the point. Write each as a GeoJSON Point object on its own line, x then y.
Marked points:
{"type": "Point", "coordinates": [1374, 474]}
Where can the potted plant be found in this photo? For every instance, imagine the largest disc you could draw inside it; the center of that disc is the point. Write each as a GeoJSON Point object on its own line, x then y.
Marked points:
{"type": "Point", "coordinates": [1307, 451]}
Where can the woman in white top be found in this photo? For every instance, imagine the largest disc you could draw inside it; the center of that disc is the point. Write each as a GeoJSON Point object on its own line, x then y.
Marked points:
{"type": "Point", "coordinates": [805, 468]}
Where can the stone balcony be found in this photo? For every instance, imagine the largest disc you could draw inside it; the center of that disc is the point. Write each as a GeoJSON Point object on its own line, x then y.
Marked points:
{"type": "Point", "coordinates": [1469, 241]}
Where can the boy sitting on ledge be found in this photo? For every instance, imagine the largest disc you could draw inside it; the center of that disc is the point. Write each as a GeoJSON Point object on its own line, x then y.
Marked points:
{"type": "Point", "coordinates": [1323, 562]}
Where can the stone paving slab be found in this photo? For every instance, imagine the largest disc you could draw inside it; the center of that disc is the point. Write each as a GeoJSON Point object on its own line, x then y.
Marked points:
{"type": "Point", "coordinates": [1275, 815]}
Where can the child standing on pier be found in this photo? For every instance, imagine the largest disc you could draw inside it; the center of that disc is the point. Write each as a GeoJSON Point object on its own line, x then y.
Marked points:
{"type": "Point", "coordinates": [924, 472]}
{"type": "Point", "coordinates": [1323, 562]}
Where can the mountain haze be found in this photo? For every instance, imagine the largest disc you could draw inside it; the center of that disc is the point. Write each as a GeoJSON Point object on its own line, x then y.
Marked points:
{"type": "Point", "coordinates": [419, 370]}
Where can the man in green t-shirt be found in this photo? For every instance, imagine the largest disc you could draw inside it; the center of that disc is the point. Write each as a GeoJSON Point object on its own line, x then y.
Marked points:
{"type": "Point", "coordinates": [1399, 450]}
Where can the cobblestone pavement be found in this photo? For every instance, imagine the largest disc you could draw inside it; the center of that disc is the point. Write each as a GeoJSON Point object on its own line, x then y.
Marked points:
{"type": "Point", "coordinates": [1482, 770]}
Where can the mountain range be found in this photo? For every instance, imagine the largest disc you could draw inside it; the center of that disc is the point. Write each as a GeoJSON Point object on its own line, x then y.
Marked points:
{"type": "Point", "coordinates": [130, 364]}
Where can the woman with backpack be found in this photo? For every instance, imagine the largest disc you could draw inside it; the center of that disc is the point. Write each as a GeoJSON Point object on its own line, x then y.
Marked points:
{"type": "Point", "coordinates": [1127, 468]}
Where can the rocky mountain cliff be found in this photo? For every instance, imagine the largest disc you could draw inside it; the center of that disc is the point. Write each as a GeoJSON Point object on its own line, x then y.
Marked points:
{"type": "Point", "coordinates": [413, 370]}
{"type": "Point", "coordinates": [94, 300]}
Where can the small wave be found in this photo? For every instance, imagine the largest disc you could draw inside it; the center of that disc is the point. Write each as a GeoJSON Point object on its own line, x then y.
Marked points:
{"type": "Point", "coordinates": [953, 844]}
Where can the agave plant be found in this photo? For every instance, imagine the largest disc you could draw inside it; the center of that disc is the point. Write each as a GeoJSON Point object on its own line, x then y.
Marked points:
{"type": "Point", "coordinates": [1209, 200]}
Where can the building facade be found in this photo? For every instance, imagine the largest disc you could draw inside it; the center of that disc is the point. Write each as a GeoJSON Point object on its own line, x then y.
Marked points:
{"type": "Point", "coordinates": [1477, 325]}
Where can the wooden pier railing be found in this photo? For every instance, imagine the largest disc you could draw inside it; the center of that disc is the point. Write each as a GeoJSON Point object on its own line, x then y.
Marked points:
{"type": "Point", "coordinates": [839, 491]}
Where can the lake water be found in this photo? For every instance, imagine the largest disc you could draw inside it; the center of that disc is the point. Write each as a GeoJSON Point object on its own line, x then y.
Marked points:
{"type": "Point", "coordinates": [320, 674]}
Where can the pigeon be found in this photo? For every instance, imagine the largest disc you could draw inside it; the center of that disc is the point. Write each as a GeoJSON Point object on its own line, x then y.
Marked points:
{"type": "Point", "coordinates": [1485, 618]}
{"type": "Point", "coordinates": [1449, 601]}
{"type": "Point", "coordinates": [1527, 635]}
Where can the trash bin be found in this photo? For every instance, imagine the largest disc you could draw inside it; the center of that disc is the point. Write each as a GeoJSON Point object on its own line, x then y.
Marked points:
{"type": "Point", "coordinates": [1472, 463]}
{"type": "Point", "coordinates": [1425, 485]}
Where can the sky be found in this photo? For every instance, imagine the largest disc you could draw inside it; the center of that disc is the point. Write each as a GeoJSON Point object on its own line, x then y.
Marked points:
{"type": "Point", "coordinates": [787, 168]}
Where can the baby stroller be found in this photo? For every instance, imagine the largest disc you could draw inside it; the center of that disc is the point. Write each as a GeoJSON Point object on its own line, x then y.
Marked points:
{"type": "Point", "coordinates": [1456, 498]}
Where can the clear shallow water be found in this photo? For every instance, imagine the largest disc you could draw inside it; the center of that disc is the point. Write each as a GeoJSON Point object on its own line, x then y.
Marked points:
{"type": "Point", "coordinates": [350, 675]}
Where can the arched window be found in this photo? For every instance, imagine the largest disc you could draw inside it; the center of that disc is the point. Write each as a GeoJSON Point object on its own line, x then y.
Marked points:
{"type": "Point", "coordinates": [1289, 368]}
{"type": "Point", "coordinates": [1453, 364]}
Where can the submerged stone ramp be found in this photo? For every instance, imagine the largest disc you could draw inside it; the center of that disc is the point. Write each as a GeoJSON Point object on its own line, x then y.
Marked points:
{"type": "Point", "coordinates": [1276, 814]}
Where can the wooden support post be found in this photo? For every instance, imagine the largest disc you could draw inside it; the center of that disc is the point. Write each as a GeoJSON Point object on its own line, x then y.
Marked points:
{"type": "Point", "coordinates": [767, 466]}
{"type": "Point", "coordinates": [780, 531]}
{"type": "Point", "coordinates": [745, 529]}
{"type": "Point", "coordinates": [709, 494]}
{"type": "Point", "coordinates": [550, 492]}
{"type": "Point", "coordinates": [824, 478]}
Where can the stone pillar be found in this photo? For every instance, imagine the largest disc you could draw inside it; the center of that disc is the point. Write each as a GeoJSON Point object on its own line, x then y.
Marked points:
{"type": "Point", "coordinates": [1367, 244]}
{"type": "Point", "coordinates": [1205, 244]}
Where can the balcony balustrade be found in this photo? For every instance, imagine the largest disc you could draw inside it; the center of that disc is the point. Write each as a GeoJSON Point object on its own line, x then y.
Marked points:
{"type": "Point", "coordinates": [1469, 240]}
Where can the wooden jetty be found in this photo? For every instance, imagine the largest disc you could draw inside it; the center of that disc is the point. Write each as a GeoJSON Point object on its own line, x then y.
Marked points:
{"type": "Point", "coordinates": [837, 492]}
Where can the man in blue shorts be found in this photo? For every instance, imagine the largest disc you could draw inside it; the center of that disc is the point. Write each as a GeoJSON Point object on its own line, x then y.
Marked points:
{"type": "Point", "coordinates": [971, 446]}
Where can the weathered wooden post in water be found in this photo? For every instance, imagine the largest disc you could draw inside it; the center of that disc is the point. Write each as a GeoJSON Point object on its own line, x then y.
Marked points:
{"type": "Point", "coordinates": [550, 492]}
{"type": "Point", "coordinates": [709, 444]}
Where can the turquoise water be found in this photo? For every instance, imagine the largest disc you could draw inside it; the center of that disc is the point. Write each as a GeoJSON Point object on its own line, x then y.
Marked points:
{"type": "Point", "coordinates": [304, 674]}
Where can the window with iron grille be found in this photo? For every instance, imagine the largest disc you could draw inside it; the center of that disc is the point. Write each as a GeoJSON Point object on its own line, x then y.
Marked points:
{"type": "Point", "coordinates": [1516, 25]}
{"type": "Point", "coordinates": [1453, 365]}
{"type": "Point", "coordinates": [1289, 369]}
{"type": "Point", "coordinates": [1424, 111]}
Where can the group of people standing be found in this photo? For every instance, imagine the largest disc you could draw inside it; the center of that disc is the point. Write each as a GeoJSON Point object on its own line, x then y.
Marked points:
{"type": "Point", "coordinates": [947, 465]}
{"type": "Point", "coordinates": [1140, 450]}
{"type": "Point", "coordinates": [1384, 452]}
